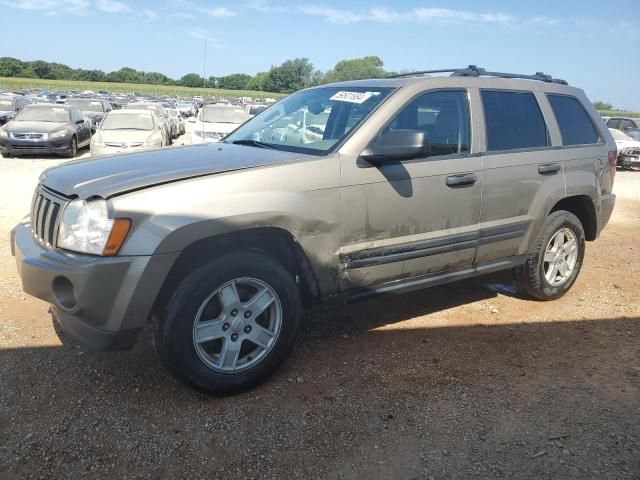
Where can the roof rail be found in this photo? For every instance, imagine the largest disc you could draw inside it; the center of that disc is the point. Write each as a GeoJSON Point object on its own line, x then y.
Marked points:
{"type": "Point", "coordinates": [473, 71]}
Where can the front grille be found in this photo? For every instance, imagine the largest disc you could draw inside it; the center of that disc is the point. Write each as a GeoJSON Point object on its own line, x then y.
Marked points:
{"type": "Point", "coordinates": [45, 215]}
{"type": "Point", "coordinates": [36, 148]}
{"type": "Point", "coordinates": [27, 136]}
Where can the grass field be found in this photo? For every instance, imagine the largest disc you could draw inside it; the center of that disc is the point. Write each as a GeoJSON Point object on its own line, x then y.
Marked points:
{"type": "Point", "coordinates": [80, 86]}
{"type": "Point", "coordinates": [619, 113]}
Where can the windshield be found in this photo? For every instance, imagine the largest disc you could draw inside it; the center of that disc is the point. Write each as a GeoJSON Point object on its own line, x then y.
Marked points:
{"type": "Point", "coordinates": [222, 114]}
{"type": "Point", "coordinates": [618, 135]}
{"type": "Point", "coordinates": [127, 121]}
{"type": "Point", "coordinates": [86, 105]}
{"type": "Point", "coordinates": [38, 114]}
{"type": "Point", "coordinates": [5, 104]}
{"type": "Point", "coordinates": [312, 121]}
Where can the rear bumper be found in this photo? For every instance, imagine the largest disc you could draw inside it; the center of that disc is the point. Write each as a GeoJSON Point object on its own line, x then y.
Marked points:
{"type": "Point", "coordinates": [103, 302]}
{"type": "Point", "coordinates": [607, 202]}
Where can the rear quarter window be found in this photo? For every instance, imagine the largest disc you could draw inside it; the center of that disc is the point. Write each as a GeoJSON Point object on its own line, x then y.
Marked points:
{"type": "Point", "coordinates": [574, 122]}
{"type": "Point", "coordinates": [513, 120]}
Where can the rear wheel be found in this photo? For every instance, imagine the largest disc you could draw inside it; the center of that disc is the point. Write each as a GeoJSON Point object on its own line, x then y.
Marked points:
{"type": "Point", "coordinates": [230, 323]}
{"type": "Point", "coordinates": [555, 260]}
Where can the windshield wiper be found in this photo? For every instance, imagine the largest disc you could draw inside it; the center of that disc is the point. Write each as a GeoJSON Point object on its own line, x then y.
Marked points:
{"type": "Point", "coordinates": [254, 143]}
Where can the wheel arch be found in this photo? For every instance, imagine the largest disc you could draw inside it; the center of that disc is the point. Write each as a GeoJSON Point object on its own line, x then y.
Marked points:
{"type": "Point", "coordinates": [273, 241]}
{"type": "Point", "coordinates": [582, 207]}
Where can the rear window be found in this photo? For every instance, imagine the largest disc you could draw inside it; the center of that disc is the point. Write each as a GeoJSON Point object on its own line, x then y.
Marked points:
{"type": "Point", "coordinates": [513, 120]}
{"type": "Point", "coordinates": [575, 124]}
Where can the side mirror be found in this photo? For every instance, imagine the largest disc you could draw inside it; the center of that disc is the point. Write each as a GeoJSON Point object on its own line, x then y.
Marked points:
{"type": "Point", "coordinates": [396, 145]}
{"type": "Point", "coordinates": [192, 120]}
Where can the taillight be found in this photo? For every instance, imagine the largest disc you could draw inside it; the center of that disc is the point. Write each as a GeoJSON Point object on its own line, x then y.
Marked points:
{"type": "Point", "coordinates": [613, 162]}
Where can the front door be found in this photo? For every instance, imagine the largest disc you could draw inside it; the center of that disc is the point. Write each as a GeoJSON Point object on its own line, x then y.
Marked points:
{"type": "Point", "coordinates": [418, 216]}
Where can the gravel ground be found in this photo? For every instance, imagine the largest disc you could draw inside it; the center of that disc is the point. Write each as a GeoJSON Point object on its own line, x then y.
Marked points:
{"type": "Point", "coordinates": [462, 381]}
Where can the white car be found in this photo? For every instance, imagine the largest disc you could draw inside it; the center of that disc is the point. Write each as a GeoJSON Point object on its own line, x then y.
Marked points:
{"type": "Point", "coordinates": [127, 131]}
{"type": "Point", "coordinates": [214, 122]}
{"type": "Point", "coordinates": [628, 149]}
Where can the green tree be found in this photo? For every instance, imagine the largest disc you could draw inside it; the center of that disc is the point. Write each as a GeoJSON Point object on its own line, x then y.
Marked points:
{"type": "Point", "coordinates": [356, 69]}
{"type": "Point", "coordinates": [41, 69]}
{"type": "Point", "coordinates": [12, 67]}
{"type": "Point", "coordinates": [191, 80]}
{"type": "Point", "coordinates": [292, 75]}
{"type": "Point", "coordinates": [258, 82]}
{"type": "Point", "coordinates": [235, 81]}
{"type": "Point", "coordinates": [602, 105]}
{"type": "Point", "coordinates": [125, 75]}
{"type": "Point", "coordinates": [89, 75]}
{"type": "Point", "coordinates": [156, 78]}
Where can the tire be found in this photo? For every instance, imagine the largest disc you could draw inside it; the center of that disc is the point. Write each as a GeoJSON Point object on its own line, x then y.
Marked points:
{"type": "Point", "coordinates": [198, 297]}
{"type": "Point", "coordinates": [73, 148]}
{"type": "Point", "coordinates": [532, 277]}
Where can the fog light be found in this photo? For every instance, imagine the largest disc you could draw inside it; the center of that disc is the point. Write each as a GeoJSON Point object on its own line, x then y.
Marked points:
{"type": "Point", "coordinates": [63, 292]}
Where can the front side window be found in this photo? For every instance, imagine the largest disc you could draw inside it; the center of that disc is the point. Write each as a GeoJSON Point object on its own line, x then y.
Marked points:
{"type": "Point", "coordinates": [443, 115]}
{"type": "Point", "coordinates": [576, 127]}
{"type": "Point", "coordinates": [311, 121]}
{"type": "Point", "coordinates": [513, 120]}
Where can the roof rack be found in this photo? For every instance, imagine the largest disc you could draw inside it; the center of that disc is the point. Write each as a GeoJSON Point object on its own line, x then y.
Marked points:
{"type": "Point", "coordinates": [473, 71]}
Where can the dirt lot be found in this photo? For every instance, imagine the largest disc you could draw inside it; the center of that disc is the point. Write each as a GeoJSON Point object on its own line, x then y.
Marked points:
{"type": "Point", "coordinates": [463, 381]}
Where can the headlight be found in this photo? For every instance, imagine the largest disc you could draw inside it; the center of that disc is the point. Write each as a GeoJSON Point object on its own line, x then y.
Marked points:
{"type": "Point", "coordinates": [152, 141]}
{"type": "Point", "coordinates": [59, 134]}
{"type": "Point", "coordinates": [3, 133]}
{"type": "Point", "coordinates": [86, 228]}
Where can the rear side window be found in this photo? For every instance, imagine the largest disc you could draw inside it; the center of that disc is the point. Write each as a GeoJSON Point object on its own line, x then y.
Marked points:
{"type": "Point", "coordinates": [575, 124]}
{"type": "Point", "coordinates": [513, 120]}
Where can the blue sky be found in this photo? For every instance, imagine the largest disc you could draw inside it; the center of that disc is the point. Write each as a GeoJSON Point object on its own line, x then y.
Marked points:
{"type": "Point", "coordinates": [592, 44]}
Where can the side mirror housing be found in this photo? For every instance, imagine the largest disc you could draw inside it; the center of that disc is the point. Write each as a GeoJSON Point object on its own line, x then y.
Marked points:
{"type": "Point", "coordinates": [396, 145]}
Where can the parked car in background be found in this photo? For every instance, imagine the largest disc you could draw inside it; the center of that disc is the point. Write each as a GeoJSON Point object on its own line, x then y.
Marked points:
{"type": "Point", "coordinates": [214, 122]}
{"type": "Point", "coordinates": [160, 112]}
{"type": "Point", "coordinates": [254, 110]}
{"type": "Point", "coordinates": [180, 119]}
{"type": "Point", "coordinates": [127, 131]}
{"type": "Point", "coordinates": [10, 105]}
{"type": "Point", "coordinates": [186, 109]}
{"type": "Point", "coordinates": [93, 108]}
{"type": "Point", "coordinates": [45, 128]}
{"type": "Point", "coordinates": [635, 133]}
{"type": "Point", "coordinates": [623, 123]}
{"type": "Point", "coordinates": [628, 149]}
{"type": "Point", "coordinates": [174, 122]}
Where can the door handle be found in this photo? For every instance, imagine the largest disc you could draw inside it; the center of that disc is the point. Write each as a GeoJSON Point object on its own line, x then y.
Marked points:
{"type": "Point", "coordinates": [549, 168]}
{"type": "Point", "coordinates": [462, 180]}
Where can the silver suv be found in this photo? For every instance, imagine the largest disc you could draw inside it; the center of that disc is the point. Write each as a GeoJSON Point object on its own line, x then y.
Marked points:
{"type": "Point", "coordinates": [343, 191]}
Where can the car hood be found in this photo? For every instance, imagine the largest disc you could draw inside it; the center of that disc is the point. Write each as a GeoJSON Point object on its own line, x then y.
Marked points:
{"type": "Point", "coordinates": [123, 136]}
{"type": "Point", "coordinates": [215, 127]}
{"type": "Point", "coordinates": [33, 127]}
{"type": "Point", "coordinates": [112, 175]}
{"type": "Point", "coordinates": [627, 144]}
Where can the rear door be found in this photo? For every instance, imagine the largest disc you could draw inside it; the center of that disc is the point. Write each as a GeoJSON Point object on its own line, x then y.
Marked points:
{"type": "Point", "coordinates": [419, 216]}
{"type": "Point", "coordinates": [523, 171]}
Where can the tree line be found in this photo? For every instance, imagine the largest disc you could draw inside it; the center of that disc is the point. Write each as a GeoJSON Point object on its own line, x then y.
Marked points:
{"type": "Point", "coordinates": [288, 77]}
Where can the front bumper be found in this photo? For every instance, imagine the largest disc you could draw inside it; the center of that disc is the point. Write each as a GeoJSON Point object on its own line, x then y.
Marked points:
{"type": "Point", "coordinates": [56, 146]}
{"type": "Point", "coordinates": [103, 302]}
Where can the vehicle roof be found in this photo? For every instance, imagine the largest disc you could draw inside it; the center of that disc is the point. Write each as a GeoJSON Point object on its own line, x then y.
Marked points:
{"type": "Point", "coordinates": [49, 105]}
{"type": "Point", "coordinates": [458, 81]}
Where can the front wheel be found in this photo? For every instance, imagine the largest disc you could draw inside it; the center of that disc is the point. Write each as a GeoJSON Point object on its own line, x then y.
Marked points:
{"type": "Point", "coordinates": [230, 323]}
{"type": "Point", "coordinates": [555, 260]}
{"type": "Point", "coordinates": [73, 148]}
